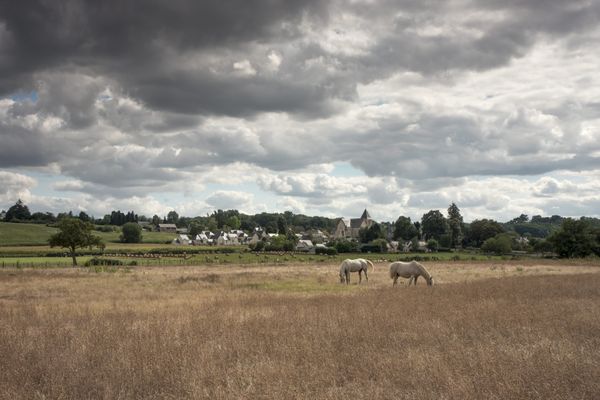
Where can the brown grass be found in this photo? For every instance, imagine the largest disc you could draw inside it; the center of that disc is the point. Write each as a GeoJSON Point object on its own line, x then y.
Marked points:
{"type": "Point", "coordinates": [285, 332]}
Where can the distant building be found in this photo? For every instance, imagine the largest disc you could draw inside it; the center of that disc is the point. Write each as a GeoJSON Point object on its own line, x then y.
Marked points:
{"type": "Point", "coordinates": [167, 228]}
{"type": "Point", "coordinates": [304, 245]}
{"type": "Point", "coordinates": [350, 229]}
{"type": "Point", "coordinates": [182, 239]}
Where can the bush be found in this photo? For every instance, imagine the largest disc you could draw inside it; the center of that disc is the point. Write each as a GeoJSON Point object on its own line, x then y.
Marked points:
{"type": "Point", "coordinates": [499, 244]}
{"type": "Point", "coordinates": [330, 251]}
{"type": "Point", "coordinates": [432, 244]}
{"type": "Point", "coordinates": [103, 261]}
{"type": "Point", "coordinates": [345, 246]}
{"type": "Point", "coordinates": [132, 233]}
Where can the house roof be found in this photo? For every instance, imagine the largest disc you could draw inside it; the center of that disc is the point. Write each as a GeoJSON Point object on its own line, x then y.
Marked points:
{"type": "Point", "coordinates": [167, 226]}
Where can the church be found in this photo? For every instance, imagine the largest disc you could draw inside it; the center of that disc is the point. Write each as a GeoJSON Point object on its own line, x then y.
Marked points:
{"type": "Point", "coordinates": [349, 229]}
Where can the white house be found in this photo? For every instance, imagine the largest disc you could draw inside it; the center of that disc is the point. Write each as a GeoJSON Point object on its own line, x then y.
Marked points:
{"type": "Point", "coordinates": [304, 245]}
{"type": "Point", "coordinates": [182, 240]}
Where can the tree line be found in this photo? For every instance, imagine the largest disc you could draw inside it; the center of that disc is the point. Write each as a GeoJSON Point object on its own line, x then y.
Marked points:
{"type": "Point", "coordinates": [566, 237]}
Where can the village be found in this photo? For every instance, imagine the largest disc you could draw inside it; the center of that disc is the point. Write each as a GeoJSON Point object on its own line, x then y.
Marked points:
{"type": "Point", "coordinates": [309, 241]}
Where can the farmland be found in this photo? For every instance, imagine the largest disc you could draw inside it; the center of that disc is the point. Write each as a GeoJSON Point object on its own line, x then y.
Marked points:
{"type": "Point", "coordinates": [12, 234]}
{"type": "Point", "coordinates": [488, 329]}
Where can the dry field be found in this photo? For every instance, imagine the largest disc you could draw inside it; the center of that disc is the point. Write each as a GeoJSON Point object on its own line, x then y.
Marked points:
{"type": "Point", "coordinates": [499, 330]}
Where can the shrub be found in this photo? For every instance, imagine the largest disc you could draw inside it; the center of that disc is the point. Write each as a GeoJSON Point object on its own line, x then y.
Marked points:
{"type": "Point", "coordinates": [103, 261]}
{"type": "Point", "coordinates": [132, 233]}
{"type": "Point", "coordinates": [499, 244]}
{"type": "Point", "coordinates": [330, 251]}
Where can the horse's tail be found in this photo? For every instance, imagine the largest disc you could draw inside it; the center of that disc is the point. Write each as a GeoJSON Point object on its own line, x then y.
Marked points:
{"type": "Point", "coordinates": [371, 264]}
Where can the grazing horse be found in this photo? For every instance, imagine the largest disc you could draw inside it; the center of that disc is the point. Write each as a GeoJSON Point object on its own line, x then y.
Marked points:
{"type": "Point", "coordinates": [359, 265]}
{"type": "Point", "coordinates": [410, 270]}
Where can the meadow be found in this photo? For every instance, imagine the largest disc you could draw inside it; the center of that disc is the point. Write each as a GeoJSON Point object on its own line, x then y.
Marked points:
{"type": "Point", "coordinates": [500, 329]}
{"type": "Point", "coordinates": [13, 234]}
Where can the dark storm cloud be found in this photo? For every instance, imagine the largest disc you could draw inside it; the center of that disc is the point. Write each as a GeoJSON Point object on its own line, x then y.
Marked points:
{"type": "Point", "coordinates": [146, 46]}
{"type": "Point", "coordinates": [23, 147]}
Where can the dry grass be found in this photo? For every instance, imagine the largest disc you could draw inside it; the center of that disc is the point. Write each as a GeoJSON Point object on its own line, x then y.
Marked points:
{"type": "Point", "coordinates": [290, 332]}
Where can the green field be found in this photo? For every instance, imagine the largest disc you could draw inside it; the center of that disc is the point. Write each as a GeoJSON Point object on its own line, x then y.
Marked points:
{"type": "Point", "coordinates": [12, 234]}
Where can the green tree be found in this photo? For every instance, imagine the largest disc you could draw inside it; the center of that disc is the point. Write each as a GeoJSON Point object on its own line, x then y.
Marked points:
{"type": "Point", "coordinates": [194, 228]}
{"type": "Point", "coordinates": [404, 229]}
{"type": "Point", "coordinates": [432, 244]}
{"type": "Point", "coordinates": [455, 223]}
{"type": "Point", "coordinates": [482, 229]}
{"type": "Point", "coordinates": [371, 233]}
{"type": "Point", "coordinates": [18, 212]}
{"type": "Point", "coordinates": [575, 238]}
{"type": "Point", "coordinates": [281, 225]}
{"type": "Point", "coordinates": [75, 234]}
{"type": "Point", "coordinates": [131, 233]}
{"type": "Point", "coordinates": [172, 217]}
{"type": "Point", "coordinates": [499, 244]}
{"type": "Point", "coordinates": [83, 216]}
{"type": "Point", "coordinates": [433, 224]}
{"type": "Point", "coordinates": [233, 222]}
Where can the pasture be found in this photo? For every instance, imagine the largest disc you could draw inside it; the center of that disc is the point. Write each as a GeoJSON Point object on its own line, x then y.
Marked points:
{"type": "Point", "coordinates": [494, 330]}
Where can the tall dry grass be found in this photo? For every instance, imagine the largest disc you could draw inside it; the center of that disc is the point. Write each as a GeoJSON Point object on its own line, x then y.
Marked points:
{"type": "Point", "coordinates": [514, 338]}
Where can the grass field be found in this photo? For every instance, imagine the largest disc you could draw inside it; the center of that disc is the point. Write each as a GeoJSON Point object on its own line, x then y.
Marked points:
{"type": "Point", "coordinates": [13, 234]}
{"type": "Point", "coordinates": [45, 257]}
{"type": "Point", "coordinates": [493, 330]}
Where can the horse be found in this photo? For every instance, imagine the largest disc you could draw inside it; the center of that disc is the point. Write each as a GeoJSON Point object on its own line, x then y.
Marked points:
{"type": "Point", "coordinates": [410, 270]}
{"type": "Point", "coordinates": [359, 265]}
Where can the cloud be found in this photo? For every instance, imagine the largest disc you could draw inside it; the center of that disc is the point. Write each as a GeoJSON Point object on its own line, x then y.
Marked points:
{"type": "Point", "coordinates": [14, 186]}
{"type": "Point", "coordinates": [228, 199]}
{"type": "Point", "coordinates": [427, 99]}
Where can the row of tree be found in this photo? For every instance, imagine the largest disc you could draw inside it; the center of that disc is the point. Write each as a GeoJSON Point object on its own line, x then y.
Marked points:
{"type": "Point", "coordinates": [563, 236]}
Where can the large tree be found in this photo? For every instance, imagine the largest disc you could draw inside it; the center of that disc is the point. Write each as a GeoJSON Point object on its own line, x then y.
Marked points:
{"type": "Point", "coordinates": [455, 223]}
{"type": "Point", "coordinates": [75, 234]}
{"type": "Point", "coordinates": [404, 228]}
{"type": "Point", "coordinates": [132, 233]}
{"type": "Point", "coordinates": [434, 224]}
{"type": "Point", "coordinates": [575, 238]}
{"type": "Point", "coordinates": [482, 229]}
{"type": "Point", "coordinates": [18, 212]}
{"type": "Point", "coordinates": [375, 231]}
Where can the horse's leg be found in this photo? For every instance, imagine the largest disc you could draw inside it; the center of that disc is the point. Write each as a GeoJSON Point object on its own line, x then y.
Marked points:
{"type": "Point", "coordinates": [359, 276]}
{"type": "Point", "coordinates": [410, 281]}
{"type": "Point", "coordinates": [347, 277]}
{"type": "Point", "coordinates": [395, 280]}
{"type": "Point", "coordinates": [416, 277]}
{"type": "Point", "coordinates": [366, 276]}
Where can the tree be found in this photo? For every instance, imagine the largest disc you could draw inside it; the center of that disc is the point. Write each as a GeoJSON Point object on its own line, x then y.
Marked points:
{"type": "Point", "coordinates": [499, 244]}
{"type": "Point", "coordinates": [75, 234]}
{"type": "Point", "coordinates": [131, 233]}
{"type": "Point", "coordinates": [455, 222]}
{"type": "Point", "coordinates": [371, 233]}
{"type": "Point", "coordinates": [172, 217]}
{"type": "Point", "coordinates": [281, 225]}
{"type": "Point", "coordinates": [433, 224]}
{"type": "Point", "coordinates": [575, 238]}
{"type": "Point", "coordinates": [83, 216]}
{"type": "Point", "coordinates": [233, 222]}
{"type": "Point", "coordinates": [482, 229]}
{"type": "Point", "coordinates": [404, 229]}
{"type": "Point", "coordinates": [18, 212]}
{"type": "Point", "coordinates": [432, 245]}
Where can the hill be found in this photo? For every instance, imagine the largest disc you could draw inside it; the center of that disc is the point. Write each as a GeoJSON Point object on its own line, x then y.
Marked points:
{"type": "Point", "coordinates": [17, 234]}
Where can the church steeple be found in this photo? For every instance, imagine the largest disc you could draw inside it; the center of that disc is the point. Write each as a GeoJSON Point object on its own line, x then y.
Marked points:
{"type": "Point", "coordinates": [365, 215]}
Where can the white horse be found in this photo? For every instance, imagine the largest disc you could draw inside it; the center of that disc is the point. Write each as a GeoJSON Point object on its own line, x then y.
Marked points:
{"type": "Point", "coordinates": [410, 270]}
{"type": "Point", "coordinates": [359, 265]}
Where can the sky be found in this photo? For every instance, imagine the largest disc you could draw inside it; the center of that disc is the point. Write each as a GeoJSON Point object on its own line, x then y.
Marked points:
{"type": "Point", "coordinates": [316, 107]}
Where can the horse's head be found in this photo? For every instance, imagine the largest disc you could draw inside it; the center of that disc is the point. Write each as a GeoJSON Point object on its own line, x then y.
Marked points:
{"type": "Point", "coordinates": [342, 278]}
{"type": "Point", "coordinates": [430, 281]}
